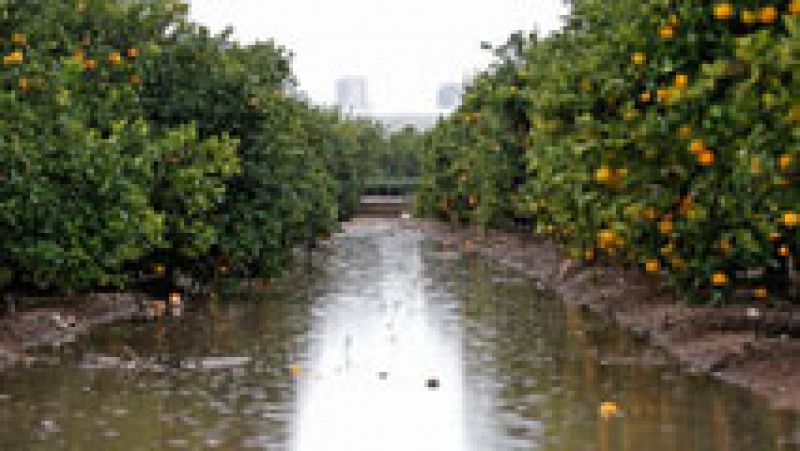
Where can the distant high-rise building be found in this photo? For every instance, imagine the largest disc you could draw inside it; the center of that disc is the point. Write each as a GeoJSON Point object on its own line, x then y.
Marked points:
{"type": "Point", "coordinates": [351, 94]}
{"type": "Point", "coordinates": [449, 96]}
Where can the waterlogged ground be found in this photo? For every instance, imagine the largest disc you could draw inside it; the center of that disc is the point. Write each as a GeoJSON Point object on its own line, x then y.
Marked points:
{"type": "Point", "coordinates": [391, 342]}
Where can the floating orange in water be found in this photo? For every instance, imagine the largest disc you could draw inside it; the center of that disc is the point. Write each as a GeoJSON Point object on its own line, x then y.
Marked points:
{"type": "Point", "coordinates": [608, 409]}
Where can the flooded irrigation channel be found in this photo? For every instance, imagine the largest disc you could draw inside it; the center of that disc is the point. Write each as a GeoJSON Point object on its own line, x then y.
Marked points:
{"type": "Point", "coordinates": [390, 342]}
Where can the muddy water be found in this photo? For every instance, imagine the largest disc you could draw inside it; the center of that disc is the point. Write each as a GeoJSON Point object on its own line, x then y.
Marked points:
{"type": "Point", "coordinates": [390, 342]}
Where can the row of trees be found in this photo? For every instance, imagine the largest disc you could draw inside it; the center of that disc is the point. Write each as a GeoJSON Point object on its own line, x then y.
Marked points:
{"type": "Point", "coordinates": [132, 139]}
{"type": "Point", "coordinates": [662, 133]}
{"type": "Point", "coordinates": [399, 158]}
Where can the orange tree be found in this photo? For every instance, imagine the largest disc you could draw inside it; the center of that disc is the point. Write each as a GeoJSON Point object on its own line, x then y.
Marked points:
{"type": "Point", "coordinates": [665, 134]}
{"type": "Point", "coordinates": [77, 157]}
{"type": "Point", "coordinates": [473, 162]}
{"type": "Point", "coordinates": [302, 168]}
{"type": "Point", "coordinates": [134, 139]}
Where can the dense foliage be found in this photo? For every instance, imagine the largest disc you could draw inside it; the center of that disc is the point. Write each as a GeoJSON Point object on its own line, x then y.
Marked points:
{"type": "Point", "coordinates": [135, 140]}
{"type": "Point", "coordinates": [399, 158]}
{"type": "Point", "coordinates": [663, 133]}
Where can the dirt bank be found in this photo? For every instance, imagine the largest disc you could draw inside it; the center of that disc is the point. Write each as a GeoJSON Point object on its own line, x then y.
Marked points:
{"type": "Point", "coordinates": [30, 322]}
{"type": "Point", "coordinates": [749, 345]}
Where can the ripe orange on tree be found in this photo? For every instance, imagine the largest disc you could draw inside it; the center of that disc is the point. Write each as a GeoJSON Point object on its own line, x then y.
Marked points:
{"type": "Point", "coordinates": [768, 14]}
{"type": "Point", "coordinates": [723, 11]}
{"type": "Point", "coordinates": [719, 279]}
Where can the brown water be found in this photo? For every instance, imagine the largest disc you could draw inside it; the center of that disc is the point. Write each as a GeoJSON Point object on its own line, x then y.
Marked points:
{"type": "Point", "coordinates": [389, 343]}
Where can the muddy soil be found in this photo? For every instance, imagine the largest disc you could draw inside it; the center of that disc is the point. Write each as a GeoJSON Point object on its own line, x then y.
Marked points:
{"type": "Point", "coordinates": [30, 322]}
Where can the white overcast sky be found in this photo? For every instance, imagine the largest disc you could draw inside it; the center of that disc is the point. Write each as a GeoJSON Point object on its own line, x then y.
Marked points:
{"type": "Point", "coordinates": [405, 49]}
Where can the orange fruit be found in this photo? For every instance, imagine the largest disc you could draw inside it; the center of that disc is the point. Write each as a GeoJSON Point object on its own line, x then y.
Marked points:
{"type": "Point", "coordinates": [608, 409]}
{"type": "Point", "coordinates": [606, 238]}
{"type": "Point", "coordinates": [785, 161]}
{"type": "Point", "coordinates": [794, 8]}
{"type": "Point", "coordinates": [673, 20]}
{"type": "Point", "coordinates": [697, 146]}
{"type": "Point", "coordinates": [666, 226]}
{"type": "Point", "coordinates": [719, 279]}
{"type": "Point", "coordinates": [652, 266]}
{"type": "Point", "coordinates": [767, 14]}
{"type": "Point", "coordinates": [706, 158]}
{"type": "Point", "coordinates": [133, 52]}
{"type": "Point", "coordinates": [13, 58]}
{"type": "Point", "coordinates": [638, 58]}
{"type": "Point", "coordinates": [790, 219]}
{"type": "Point", "coordinates": [723, 11]}
{"type": "Point", "coordinates": [666, 32]}
{"type": "Point", "coordinates": [681, 81]}
{"type": "Point", "coordinates": [784, 251]}
{"type": "Point", "coordinates": [749, 17]}
{"type": "Point", "coordinates": [760, 293]}
{"type": "Point", "coordinates": [604, 174]}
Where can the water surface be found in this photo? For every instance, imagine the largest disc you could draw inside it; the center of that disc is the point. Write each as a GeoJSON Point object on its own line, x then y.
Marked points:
{"type": "Point", "coordinates": [389, 342]}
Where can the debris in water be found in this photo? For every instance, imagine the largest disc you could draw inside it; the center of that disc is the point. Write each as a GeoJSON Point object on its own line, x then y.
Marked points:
{"type": "Point", "coordinates": [295, 370]}
{"type": "Point", "coordinates": [93, 361]}
{"type": "Point", "coordinates": [49, 426]}
{"type": "Point", "coordinates": [382, 375]}
{"type": "Point", "coordinates": [432, 383]}
{"type": "Point", "coordinates": [178, 443]}
{"type": "Point", "coordinates": [215, 363]}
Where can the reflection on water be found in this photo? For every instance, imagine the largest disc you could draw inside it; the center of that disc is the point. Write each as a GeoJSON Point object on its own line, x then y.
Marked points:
{"type": "Point", "coordinates": [394, 343]}
{"type": "Point", "coordinates": [383, 372]}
